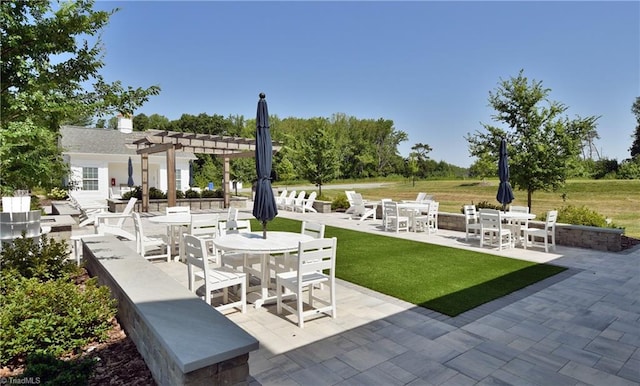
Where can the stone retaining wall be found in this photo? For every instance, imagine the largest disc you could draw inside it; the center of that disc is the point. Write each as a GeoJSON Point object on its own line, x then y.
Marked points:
{"type": "Point", "coordinates": [602, 239]}
{"type": "Point", "coordinates": [183, 340]}
{"type": "Point", "coordinates": [193, 203]}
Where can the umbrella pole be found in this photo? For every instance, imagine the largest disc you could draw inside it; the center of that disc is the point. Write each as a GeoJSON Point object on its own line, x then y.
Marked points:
{"type": "Point", "coordinates": [264, 229]}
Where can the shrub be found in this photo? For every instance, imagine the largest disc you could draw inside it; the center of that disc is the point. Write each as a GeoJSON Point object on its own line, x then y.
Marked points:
{"type": "Point", "coordinates": [53, 317]}
{"type": "Point", "coordinates": [212, 194]}
{"type": "Point", "coordinates": [156, 194]}
{"type": "Point", "coordinates": [340, 202]}
{"type": "Point", "coordinates": [179, 194]}
{"type": "Point", "coordinates": [58, 194]}
{"type": "Point", "coordinates": [192, 194]}
{"type": "Point", "coordinates": [581, 216]}
{"type": "Point", "coordinates": [43, 259]}
{"type": "Point", "coordinates": [135, 192]}
{"type": "Point", "coordinates": [59, 372]}
{"type": "Point", "coordinates": [487, 205]}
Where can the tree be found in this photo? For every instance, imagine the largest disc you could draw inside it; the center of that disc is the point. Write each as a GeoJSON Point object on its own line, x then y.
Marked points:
{"type": "Point", "coordinates": [29, 157]}
{"type": "Point", "coordinates": [47, 59]}
{"type": "Point", "coordinates": [541, 142]}
{"type": "Point", "coordinates": [318, 156]}
{"type": "Point", "coordinates": [422, 151]}
{"type": "Point", "coordinates": [635, 146]}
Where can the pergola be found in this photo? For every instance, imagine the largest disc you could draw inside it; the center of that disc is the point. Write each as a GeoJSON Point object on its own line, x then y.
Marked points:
{"type": "Point", "coordinates": [224, 147]}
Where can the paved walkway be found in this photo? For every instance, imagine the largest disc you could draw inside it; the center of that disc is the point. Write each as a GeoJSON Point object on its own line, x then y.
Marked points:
{"type": "Point", "coordinates": [579, 327]}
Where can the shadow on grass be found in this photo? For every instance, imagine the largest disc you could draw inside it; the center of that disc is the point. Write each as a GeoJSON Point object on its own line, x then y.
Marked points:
{"type": "Point", "coordinates": [455, 303]}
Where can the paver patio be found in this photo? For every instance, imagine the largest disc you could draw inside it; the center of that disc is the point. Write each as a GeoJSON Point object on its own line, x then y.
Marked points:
{"type": "Point", "coordinates": [579, 327]}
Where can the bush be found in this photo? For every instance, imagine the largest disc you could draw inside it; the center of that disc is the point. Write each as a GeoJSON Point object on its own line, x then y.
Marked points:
{"type": "Point", "coordinates": [54, 371]}
{"type": "Point", "coordinates": [581, 216]}
{"type": "Point", "coordinates": [487, 205]}
{"type": "Point", "coordinates": [58, 194]}
{"type": "Point", "coordinates": [212, 193]}
{"type": "Point", "coordinates": [340, 202]}
{"type": "Point", "coordinates": [192, 194]}
{"type": "Point", "coordinates": [54, 317]}
{"type": "Point", "coordinates": [179, 194]}
{"type": "Point", "coordinates": [135, 192]}
{"type": "Point", "coordinates": [43, 259]}
{"type": "Point", "coordinates": [156, 194]}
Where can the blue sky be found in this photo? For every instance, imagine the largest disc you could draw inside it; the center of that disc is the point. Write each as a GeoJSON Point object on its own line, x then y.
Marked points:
{"type": "Point", "coordinates": [428, 66]}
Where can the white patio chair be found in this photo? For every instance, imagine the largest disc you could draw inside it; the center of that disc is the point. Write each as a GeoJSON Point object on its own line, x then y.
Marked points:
{"type": "Point", "coordinates": [432, 216]}
{"type": "Point", "coordinates": [350, 198]}
{"type": "Point", "coordinates": [16, 204]}
{"type": "Point", "coordinates": [149, 247]}
{"type": "Point", "coordinates": [280, 200]}
{"type": "Point", "coordinates": [204, 226]}
{"type": "Point", "coordinates": [214, 279]}
{"type": "Point", "coordinates": [297, 202]}
{"type": "Point", "coordinates": [309, 228]}
{"type": "Point", "coordinates": [549, 230]}
{"type": "Point", "coordinates": [113, 223]}
{"type": "Point", "coordinates": [517, 225]}
{"type": "Point", "coordinates": [288, 200]}
{"type": "Point", "coordinates": [491, 225]}
{"type": "Point", "coordinates": [361, 210]}
{"type": "Point", "coordinates": [232, 214]}
{"type": "Point", "coordinates": [307, 204]}
{"type": "Point", "coordinates": [316, 265]}
{"type": "Point", "coordinates": [394, 220]}
{"type": "Point", "coordinates": [177, 230]}
{"type": "Point", "coordinates": [471, 221]}
{"type": "Point", "coordinates": [245, 262]}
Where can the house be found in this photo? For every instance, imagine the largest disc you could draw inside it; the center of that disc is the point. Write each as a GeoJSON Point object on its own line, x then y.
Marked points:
{"type": "Point", "coordinates": [99, 160]}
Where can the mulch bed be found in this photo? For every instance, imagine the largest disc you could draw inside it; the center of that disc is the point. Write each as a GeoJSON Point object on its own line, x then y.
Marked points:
{"type": "Point", "coordinates": [629, 242]}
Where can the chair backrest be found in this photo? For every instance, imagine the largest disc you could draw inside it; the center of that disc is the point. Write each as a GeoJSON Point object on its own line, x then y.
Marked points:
{"type": "Point", "coordinates": [316, 255]}
{"type": "Point", "coordinates": [127, 211]}
{"type": "Point", "coordinates": [421, 196]}
{"type": "Point", "coordinates": [232, 214]}
{"type": "Point", "coordinates": [519, 209]}
{"type": "Point", "coordinates": [235, 226]}
{"type": "Point", "coordinates": [490, 219]}
{"type": "Point", "coordinates": [178, 209]}
{"type": "Point", "coordinates": [282, 196]}
{"type": "Point", "coordinates": [204, 224]}
{"type": "Point", "coordinates": [433, 208]}
{"type": "Point", "coordinates": [292, 196]}
{"type": "Point", "coordinates": [300, 198]}
{"type": "Point", "coordinates": [313, 229]}
{"type": "Point", "coordinates": [552, 218]}
{"type": "Point", "coordinates": [137, 225]}
{"type": "Point", "coordinates": [470, 214]}
{"type": "Point", "coordinates": [195, 252]}
{"type": "Point", "coordinates": [390, 208]}
{"type": "Point", "coordinates": [350, 194]}
{"type": "Point", "coordinates": [310, 200]}
{"type": "Point", "coordinates": [13, 224]}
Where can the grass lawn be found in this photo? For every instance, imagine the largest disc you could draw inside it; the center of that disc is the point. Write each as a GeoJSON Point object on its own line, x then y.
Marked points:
{"type": "Point", "coordinates": [443, 279]}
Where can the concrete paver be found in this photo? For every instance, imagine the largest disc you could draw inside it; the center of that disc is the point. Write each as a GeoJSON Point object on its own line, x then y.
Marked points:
{"type": "Point", "coordinates": [579, 327]}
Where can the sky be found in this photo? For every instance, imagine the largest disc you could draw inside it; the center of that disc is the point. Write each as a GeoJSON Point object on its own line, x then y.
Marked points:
{"type": "Point", "coordinates": [426, 65]}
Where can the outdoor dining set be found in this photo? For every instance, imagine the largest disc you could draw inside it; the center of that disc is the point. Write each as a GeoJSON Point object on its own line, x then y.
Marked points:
{"type": "Point", "coordinates": [228, 265]}
{"type": "Point", "coordinates": [495, 228]}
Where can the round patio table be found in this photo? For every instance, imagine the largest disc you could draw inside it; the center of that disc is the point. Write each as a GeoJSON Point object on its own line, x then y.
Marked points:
{"type": "Point", "coordinates": [254, 243]}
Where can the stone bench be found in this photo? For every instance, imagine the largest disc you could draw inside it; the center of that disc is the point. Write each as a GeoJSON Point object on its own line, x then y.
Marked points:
{"type": "Point", "coordinates": [183, 340]}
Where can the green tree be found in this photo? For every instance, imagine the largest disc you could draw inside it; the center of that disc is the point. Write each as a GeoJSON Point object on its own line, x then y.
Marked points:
{"type": "Point", "coordinates": [635, 146]}
{"type": "Point", "coordinates": [541, 142]}
{"type": "Point", "coordinates": [412, 166]}
{"type": "Point", "coordinates": [422, 151]}
{"type": "Point", "coordinates": [243, 170]}
{"type": "Point", "coordinates": [319, 161]}
{"type": "Point", "coordinates": [47, 59]}
{"type": "Point", "coordinates": [29, 157]}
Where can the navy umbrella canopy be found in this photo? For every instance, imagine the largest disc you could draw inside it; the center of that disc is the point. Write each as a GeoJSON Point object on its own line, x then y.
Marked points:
{"type": "Point", "coordinates": [264, 204]}
{"type": "Point", "coordinates": [191, 179]}
{"type": "Point", "coordinates": [505, 193]}
{"type": "Point", "coordinates": [130, 180]}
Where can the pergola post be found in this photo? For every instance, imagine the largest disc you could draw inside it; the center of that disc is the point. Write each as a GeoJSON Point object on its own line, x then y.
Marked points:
{"type": "Point", "coordinates": [171, 176]}
{"type": "Point", "coordinates": [225, 182]}
{"type": "Point", "coordinates": [145, 181]}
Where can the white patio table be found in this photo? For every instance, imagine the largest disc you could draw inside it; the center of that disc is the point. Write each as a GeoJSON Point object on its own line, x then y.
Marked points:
{"type": "Point", "coordinates": [254, 243]}
{"type": "Point", "coordinates": [172, 220]}
{"type": "Point", "coordinates": [415, 209]}
{"type": "Point", "coordinates": [513, 218]}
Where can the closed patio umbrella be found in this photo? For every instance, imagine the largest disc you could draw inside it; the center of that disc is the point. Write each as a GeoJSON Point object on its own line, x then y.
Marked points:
{"type": "Point", "coordinates": [505, 193]}
{"type": "Point", "coordinates": [264, 204]}
{"type": "Point", "coordinates": [130, 180]}
{"type": "Point", "coordinates": [191, 179]}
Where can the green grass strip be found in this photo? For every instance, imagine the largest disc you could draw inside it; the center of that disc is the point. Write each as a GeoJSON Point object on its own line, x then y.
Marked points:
{"type": "Point", "coordinates": [444, 279]}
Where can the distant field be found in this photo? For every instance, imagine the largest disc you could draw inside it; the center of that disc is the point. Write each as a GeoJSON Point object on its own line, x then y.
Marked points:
{"type": "Point", "coordinates": [618, 200]}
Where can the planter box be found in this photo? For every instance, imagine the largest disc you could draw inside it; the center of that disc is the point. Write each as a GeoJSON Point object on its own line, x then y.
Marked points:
{"type": "Point", "coordinates": [322, 206]}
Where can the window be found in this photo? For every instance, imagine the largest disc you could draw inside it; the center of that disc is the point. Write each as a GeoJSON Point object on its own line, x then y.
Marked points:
{"type": "Point", "coordinates": [178, 179]}
{"type": "Point", "coordinates": [89, 178]}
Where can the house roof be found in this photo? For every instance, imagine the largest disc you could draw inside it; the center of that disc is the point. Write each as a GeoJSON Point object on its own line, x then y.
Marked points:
{"type": "Point", "coordinates": [76, 139]}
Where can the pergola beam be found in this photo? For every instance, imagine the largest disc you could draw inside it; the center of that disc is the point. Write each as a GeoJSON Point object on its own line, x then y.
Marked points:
{"type": "Point", "coordinates": [224, 147]}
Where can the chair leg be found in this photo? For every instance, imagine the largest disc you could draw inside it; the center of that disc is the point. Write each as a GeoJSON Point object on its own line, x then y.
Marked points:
{"type": "Point", "coordinates": [278, 296]}
{"type": "Point", "coordinates": [299, 311]}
